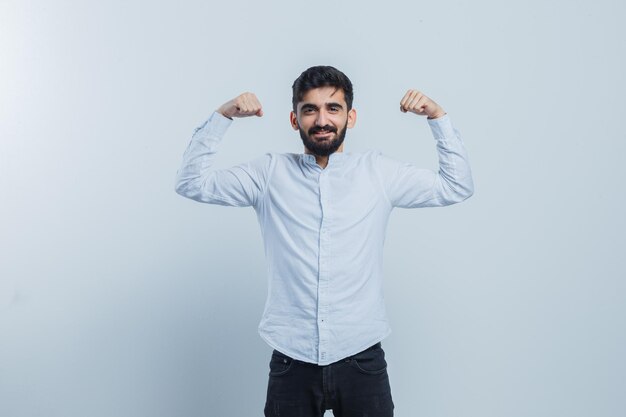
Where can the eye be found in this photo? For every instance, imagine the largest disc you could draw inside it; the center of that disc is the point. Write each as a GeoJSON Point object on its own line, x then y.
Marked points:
{"type": "Point", "coordinates": [334, 108]}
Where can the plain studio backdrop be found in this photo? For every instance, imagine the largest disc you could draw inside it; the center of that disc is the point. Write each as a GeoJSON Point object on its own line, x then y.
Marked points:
{"type": "Point", "coordinates": [120, 298]}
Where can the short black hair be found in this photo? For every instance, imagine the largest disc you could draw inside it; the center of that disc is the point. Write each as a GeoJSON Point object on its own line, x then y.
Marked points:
{"type": "Point", "coordinates": [321, 76]}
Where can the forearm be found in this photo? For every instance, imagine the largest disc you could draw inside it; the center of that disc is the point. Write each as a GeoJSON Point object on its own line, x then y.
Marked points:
{"type": "Point", "coordinates": [199, 158]}
{"type": "Point", "coordinates": [453, 182]}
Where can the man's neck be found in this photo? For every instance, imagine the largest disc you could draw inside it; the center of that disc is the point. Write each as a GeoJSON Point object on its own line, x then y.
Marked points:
{"type": "Point", "coordinates": [322, 161]}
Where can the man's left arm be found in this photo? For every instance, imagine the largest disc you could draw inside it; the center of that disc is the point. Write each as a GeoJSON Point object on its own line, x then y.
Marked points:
{"type": "Point", "coordinates": [408, 186]}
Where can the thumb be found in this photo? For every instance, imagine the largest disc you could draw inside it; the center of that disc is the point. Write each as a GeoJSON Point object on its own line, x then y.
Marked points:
{"type": "Point", "coordinates": [259, 113]}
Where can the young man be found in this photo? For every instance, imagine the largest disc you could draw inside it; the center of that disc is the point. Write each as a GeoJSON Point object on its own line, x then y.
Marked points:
{"type": "Point", "coordinates": [323, 214]}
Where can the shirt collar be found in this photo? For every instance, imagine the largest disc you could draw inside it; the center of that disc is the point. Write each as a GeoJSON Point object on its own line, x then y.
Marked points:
{"type": "Point", "coordinates": [336, 158]}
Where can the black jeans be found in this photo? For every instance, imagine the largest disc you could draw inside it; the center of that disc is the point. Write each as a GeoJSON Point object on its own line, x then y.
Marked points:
{"type": "Point", "coordinates": [356, 386]}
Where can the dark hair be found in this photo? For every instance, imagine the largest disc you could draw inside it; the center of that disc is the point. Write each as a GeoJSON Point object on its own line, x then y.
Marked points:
{"type": "Point", "coordinates": [321, 76]}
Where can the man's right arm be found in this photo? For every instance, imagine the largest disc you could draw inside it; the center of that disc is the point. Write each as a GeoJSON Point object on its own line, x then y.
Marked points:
{"type": "Point", "coordinates": [240, 185]}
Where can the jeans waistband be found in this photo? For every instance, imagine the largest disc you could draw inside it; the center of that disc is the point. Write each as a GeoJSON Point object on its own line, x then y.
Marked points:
{"type": "Point", "coordinates": [374, 346]}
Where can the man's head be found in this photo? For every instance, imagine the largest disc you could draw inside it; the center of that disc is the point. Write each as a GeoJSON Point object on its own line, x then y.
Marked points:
{"type": "Point", "coordinates": [322, 109]}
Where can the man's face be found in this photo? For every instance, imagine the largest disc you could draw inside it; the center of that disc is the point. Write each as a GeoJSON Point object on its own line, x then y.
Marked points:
{"type": "Point", "coordinates": [322, 118]}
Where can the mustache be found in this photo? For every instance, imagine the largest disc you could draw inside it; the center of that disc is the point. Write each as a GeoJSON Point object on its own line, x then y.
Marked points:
{"type": "Point", "coordinates": [317, 129]}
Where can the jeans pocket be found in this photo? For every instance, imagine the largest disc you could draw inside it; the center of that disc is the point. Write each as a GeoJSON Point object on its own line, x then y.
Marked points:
{"type": "Point", "coordinates": [280, 364]}
{"type": "Point", "coordinates": [370, 362]}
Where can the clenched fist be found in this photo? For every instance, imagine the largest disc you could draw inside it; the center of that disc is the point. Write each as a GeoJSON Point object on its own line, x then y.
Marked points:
{"type": "Point", "coordinates": [244, 105]}
{"type": "Point", "coordinates": [416, 102]}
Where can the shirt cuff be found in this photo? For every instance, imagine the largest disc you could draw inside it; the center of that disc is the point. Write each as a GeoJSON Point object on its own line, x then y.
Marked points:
{"type": "Point", "coordinates": [219, 123]}
{"type": "Point", "coordinates": [442, 127]}
{"type": "Point", "coordinates": [213, 128]}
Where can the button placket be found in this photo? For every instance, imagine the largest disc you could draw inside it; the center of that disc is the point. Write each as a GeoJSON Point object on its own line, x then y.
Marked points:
{"type": "Point", "coordinates": [324, 275]}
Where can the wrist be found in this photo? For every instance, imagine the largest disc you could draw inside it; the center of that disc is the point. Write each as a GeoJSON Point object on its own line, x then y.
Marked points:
{"type": "Point", "coordinates": [437, 115]}
{"type": "Point", "coordinates": [223, 113]}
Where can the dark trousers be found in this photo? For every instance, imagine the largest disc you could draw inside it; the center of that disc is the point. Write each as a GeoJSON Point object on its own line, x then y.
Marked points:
{"type": "Point", "coordinates": [356, 386]}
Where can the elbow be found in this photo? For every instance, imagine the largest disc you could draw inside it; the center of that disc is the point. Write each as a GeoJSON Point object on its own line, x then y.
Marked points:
{"type": "Point", "coordinates": [460, 192]}
{"type": "Point", "coordinates": [178, 189]}
{"type": "Point", "coordinates": [190, 188]}
{"type": "Point", "coordinates": [468, 191]}
{"type": "Point", "coordinates": [181, 186]}
{"type": "Point", "coordinates": [182, 190]}
{"type": "Point", "coordinates": [465, 191]}
{"type": "Point", "coordinates": [186, 184]}
{"type": "Point", "coordinates": [455, 188]}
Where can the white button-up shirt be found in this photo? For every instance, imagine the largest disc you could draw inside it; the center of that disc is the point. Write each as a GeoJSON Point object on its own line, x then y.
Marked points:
{"type": "Point", "coordinates": [323, 231]}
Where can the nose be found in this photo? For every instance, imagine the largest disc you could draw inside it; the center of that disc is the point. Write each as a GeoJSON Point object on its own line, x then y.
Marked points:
{"type": "Point", "coordinates": [322, 118]}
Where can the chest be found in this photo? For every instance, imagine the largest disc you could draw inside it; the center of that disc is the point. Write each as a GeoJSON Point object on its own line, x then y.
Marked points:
{"type": "Point", "coordinates": [341, 196]}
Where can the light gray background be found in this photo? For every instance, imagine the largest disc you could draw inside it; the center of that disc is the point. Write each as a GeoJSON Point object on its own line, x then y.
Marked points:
{"type": "Point", "coordinates": [120, 298]}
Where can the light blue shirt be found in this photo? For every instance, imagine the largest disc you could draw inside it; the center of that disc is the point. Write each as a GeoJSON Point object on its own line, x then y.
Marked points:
{"type": "Point", "coordinates": [323, 231]}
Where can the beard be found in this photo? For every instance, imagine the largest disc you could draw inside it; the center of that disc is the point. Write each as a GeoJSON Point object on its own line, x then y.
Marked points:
{"type": "Point", "coordinates": [323, 147]}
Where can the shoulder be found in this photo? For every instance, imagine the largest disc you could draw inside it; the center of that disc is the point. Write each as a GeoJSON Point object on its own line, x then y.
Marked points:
{"type": "Point", "coordinates": [371, 156]}
{"type": "Point", "coordinates": [385, 165]}
{"type": "Point", "coordinates": [276, 156]}
{"type": "Point", "coordinates": [363, 155]}
{"type": "Point", "coordinates": [284, 158]}
{"type": "Point", "coordinates": [272, 159]}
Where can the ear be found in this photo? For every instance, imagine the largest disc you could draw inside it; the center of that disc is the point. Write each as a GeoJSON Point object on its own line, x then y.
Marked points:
{"type": "Point", "coordinates": [294, 120]}
{"type": "Point", "coordinates": [351, 118]}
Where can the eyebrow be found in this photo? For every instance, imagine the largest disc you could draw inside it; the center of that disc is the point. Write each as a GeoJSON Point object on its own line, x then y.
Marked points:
{"type": "Point", "coordinates": [314, 107]}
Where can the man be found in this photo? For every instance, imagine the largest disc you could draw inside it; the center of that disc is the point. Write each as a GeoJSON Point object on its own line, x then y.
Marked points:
{"type": "Point", "coordinates": [323, 216]}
